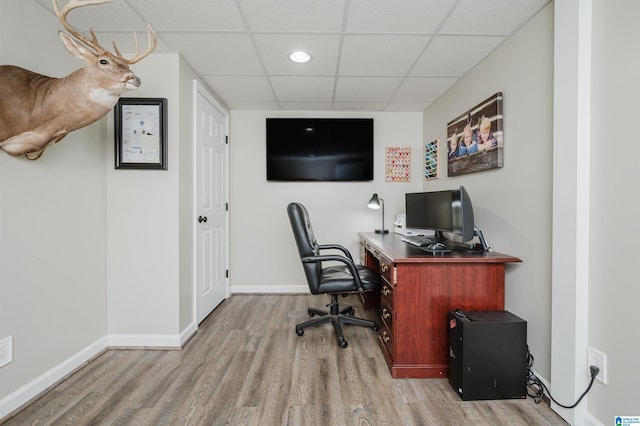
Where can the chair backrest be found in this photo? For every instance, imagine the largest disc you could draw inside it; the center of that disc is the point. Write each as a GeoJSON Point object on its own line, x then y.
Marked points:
{"type": "Point", "coordinates": [306, 242]}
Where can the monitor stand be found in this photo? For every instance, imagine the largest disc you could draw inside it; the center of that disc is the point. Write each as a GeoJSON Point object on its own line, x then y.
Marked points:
{"type": "Point", "coordinates": [474, 248]}
{"type": "Point", "coordinates": [478, 233]}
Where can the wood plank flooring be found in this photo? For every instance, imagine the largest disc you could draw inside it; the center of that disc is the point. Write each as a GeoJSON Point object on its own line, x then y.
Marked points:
{"type": "Point", "coordinates": [247, 366]}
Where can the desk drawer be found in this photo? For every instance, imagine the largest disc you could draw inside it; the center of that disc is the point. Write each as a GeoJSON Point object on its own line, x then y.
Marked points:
{"type": "Point", "coordinates": [386, 314]}
{"type": "Point", "coordinates": [386, 290]}
{"type": "Point", "coordinates": [387, 339]}
{"type": "Point", "coordinates": [387, 270]}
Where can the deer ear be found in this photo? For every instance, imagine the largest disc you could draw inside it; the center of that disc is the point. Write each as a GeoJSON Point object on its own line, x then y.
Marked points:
{"type": "Point", "coordinates": [74, 48]}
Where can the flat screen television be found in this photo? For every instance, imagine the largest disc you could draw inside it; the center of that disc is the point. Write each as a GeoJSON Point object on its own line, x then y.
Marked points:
{"type": "Point", "coordinates": [443, 211]}
{"type": "Point", "coordinates": [319, 149]}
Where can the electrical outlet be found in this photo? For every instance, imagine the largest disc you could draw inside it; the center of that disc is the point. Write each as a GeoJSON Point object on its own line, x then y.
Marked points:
{"type": "Point", "coordinates": [6, 351]}
{"type": "Point", "coordinates": [597, 359]}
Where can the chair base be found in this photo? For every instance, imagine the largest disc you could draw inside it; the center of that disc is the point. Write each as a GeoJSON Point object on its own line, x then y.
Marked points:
{"type": "Point", "coordinates": [337, 317]}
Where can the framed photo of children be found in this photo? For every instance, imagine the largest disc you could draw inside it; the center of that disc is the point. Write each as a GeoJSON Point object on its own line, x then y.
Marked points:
{"type": "Point", "coordinates": [475, 139]}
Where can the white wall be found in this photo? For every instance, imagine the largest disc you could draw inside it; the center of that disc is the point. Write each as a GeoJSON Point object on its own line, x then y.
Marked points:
{"type": "Point", "coordinates": [91, 256]}
{"type": "Point", "coordinates": [52, 223]}
{"type": "Point", "coordinates": [260, 231]}
{"type": "Point", "coordinates": [150, 222]}
{"type": "Point", "coordinates": [512, 205]}
{"type": "Point", "coordinates": [142, 222]}
{"type": "Point", "coordinates": [615, 206]}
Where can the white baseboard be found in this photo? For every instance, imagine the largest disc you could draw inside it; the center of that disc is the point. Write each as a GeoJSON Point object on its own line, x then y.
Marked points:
{"type": "Point", "coordinates": [153, 341]}
{"type": "Point", "coordinates": [255, 289]}
{"type": "Point", "coordinates": [589, 420]}
{"type": "Point", "coordinates": [34, 388]}
{"type": "Point", "coordinates": [188, 333]}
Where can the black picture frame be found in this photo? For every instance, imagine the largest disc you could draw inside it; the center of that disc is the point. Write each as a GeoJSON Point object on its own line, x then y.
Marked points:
{"type": "Point", "coordinates": [141, 133]}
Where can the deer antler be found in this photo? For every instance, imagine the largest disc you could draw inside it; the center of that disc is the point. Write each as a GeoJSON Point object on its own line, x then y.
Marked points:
{"type": "Point", "coordinates": [93, 43]}
{"type": "Point", "coordinates": [151, 36]}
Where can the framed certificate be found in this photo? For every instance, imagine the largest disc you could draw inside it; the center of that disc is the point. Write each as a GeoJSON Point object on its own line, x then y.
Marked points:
{"type": "Point", "coordinates": [141, 133]}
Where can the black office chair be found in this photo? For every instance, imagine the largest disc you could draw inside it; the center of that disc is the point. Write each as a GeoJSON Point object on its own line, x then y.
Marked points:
{"type": "Point", "coordinates": [334, 280]}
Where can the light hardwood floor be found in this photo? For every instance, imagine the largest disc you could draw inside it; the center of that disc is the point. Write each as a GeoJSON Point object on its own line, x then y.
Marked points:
{"type": "Point", "coordinates": [247, 366]}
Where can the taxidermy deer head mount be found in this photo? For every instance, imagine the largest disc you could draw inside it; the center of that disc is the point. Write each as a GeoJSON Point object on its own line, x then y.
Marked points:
{"type": "Point", "coordinates": [37, 111]}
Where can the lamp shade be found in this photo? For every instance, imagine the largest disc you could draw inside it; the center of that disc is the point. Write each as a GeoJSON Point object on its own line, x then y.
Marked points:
{"type": "Point", "coordinates": [374, 202]}
{"type": "Point", "coordinates": [378, 203]}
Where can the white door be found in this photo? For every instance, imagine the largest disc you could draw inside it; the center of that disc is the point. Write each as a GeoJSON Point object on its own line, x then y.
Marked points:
{"type": "Point", "coordinates": [211, 223]}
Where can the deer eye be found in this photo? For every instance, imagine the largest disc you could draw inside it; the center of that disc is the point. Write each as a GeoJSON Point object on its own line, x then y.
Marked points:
{"type": "Point", "coordinates": [104, 62]}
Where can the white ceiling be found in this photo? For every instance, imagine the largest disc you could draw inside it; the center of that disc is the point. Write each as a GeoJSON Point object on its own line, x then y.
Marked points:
{"type": "Point", "coordinates": [367, 55]}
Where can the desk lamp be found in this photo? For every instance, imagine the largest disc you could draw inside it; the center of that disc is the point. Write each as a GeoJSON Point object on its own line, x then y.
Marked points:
{"type": "Point", "coordinates": [378, 203]}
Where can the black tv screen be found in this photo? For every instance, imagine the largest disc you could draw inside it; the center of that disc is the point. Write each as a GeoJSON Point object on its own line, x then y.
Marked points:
{"type": "Point", "coordinates": [319, 149]}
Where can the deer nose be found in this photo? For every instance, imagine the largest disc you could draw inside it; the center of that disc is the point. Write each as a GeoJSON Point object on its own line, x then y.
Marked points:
{"type": "Point", "coordinates": [131, 80]}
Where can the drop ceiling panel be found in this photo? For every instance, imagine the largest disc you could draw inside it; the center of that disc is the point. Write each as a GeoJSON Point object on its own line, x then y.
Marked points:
{"type": "Point", "coordinates": [378, 55]}
{"type": "Point", "coordinates": [241, 88]}
{"type": "Point", "coordinates": [275, 48]}
{"type": "Point", "coordinates": [294, 15]}
{"type": "Point", "coordinates": [358, 106]}
{"type": "Point", "coordinates": [491, 16]}
{"type": "Point", "coordinates": [114, 16]}
{"type": "Point", "coordinates": [377, 89]}
{"type": "Point", "coordinates": [306, 106]}
{"type": "Point", "coordinates": [367, 55]}
{"type": "Point", "coordinates": [408, 16]}
{"type": "Point", "coordinates": [191, 15]}
{"type": "Point", "coordinates": [423, 89]}
{"type": "Point", "coordinates": [210, 53]}
{"type": "Point", "coordinates": [300, 88]}
{"type": "Point", "coordinates": [454, 55]}
{"type": "Point", "coordinates": [255, 105]}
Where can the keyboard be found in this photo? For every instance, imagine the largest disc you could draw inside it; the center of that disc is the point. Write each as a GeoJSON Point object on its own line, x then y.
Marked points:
{"type": "Point", "coordinates": [418, 240]}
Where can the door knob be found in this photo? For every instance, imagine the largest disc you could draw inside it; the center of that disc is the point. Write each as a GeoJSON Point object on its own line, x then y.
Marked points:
{"type": "Point", "coordinates": [202, 219]}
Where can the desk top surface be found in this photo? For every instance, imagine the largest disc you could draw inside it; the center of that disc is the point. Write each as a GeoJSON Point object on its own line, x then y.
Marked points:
{"type": "Point", "coordinates": [392, 247]}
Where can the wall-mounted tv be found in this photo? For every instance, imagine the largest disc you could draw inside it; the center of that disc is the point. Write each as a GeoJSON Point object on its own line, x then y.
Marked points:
{"type": "Point", "coordinates": [319, 149]}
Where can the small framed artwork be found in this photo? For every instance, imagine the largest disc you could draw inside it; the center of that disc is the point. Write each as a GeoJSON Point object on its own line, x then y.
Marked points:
{"type": "Point", "coordinates": [431, 159]}
{"type": "Point", "coordinates": [398, 164]}
{"type": "Point", "coordinates": [141, 133]}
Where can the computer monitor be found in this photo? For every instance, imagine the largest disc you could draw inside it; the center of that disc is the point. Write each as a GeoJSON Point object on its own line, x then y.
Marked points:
{"type": "Point", "coordinates": [443, 211]}
{"type": "Point", "coordinates": [462, 214]}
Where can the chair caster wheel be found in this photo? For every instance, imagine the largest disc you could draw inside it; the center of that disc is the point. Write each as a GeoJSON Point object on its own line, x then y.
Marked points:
{"type": "Point", "coordinates": [343, 344]}
{"type": "Point", "coordinates": [375, 327]}
{"type": "Point", "coordinates": [299, 331]}
{"type": "Point", "coordinates": [311, 313]}
{"type": "Point", "coordinates": [351, 312]}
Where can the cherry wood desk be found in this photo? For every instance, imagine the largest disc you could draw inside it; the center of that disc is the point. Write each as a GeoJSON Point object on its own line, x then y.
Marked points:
{"type": "Point", "coordinates": [418, 289]}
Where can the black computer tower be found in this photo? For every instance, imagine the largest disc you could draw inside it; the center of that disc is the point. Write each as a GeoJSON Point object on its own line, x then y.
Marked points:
{"type": "Point", "coordinates": [487, 354]}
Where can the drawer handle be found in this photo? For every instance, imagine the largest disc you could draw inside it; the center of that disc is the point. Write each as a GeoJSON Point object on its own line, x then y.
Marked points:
{"type": "Point", "coordinates": [385, 336]}
{"type": "Point", "coordinates": [384, 268]}
{"type": "Point", "coordinates": [385, 314]}
{"type": "Point", "coordinates": [386, 291]}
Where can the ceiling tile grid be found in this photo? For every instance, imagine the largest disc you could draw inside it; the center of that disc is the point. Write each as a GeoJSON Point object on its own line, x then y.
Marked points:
{"type": "Point", "coordinates": [366, 55]}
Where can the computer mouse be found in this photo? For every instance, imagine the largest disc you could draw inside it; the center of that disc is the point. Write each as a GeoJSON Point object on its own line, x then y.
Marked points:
{"type": "Point", "coordinates": [437, 247]}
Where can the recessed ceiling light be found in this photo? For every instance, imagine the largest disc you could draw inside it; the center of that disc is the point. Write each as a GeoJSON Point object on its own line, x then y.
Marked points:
{"type": "Point", "coordinates": [300, 56]}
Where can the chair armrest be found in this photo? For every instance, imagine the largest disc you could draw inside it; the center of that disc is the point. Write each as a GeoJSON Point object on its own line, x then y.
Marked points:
{"type": "Point", "coordinates": [336, 247]}
{"type": "Point", "coordinates": [348, 262]}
